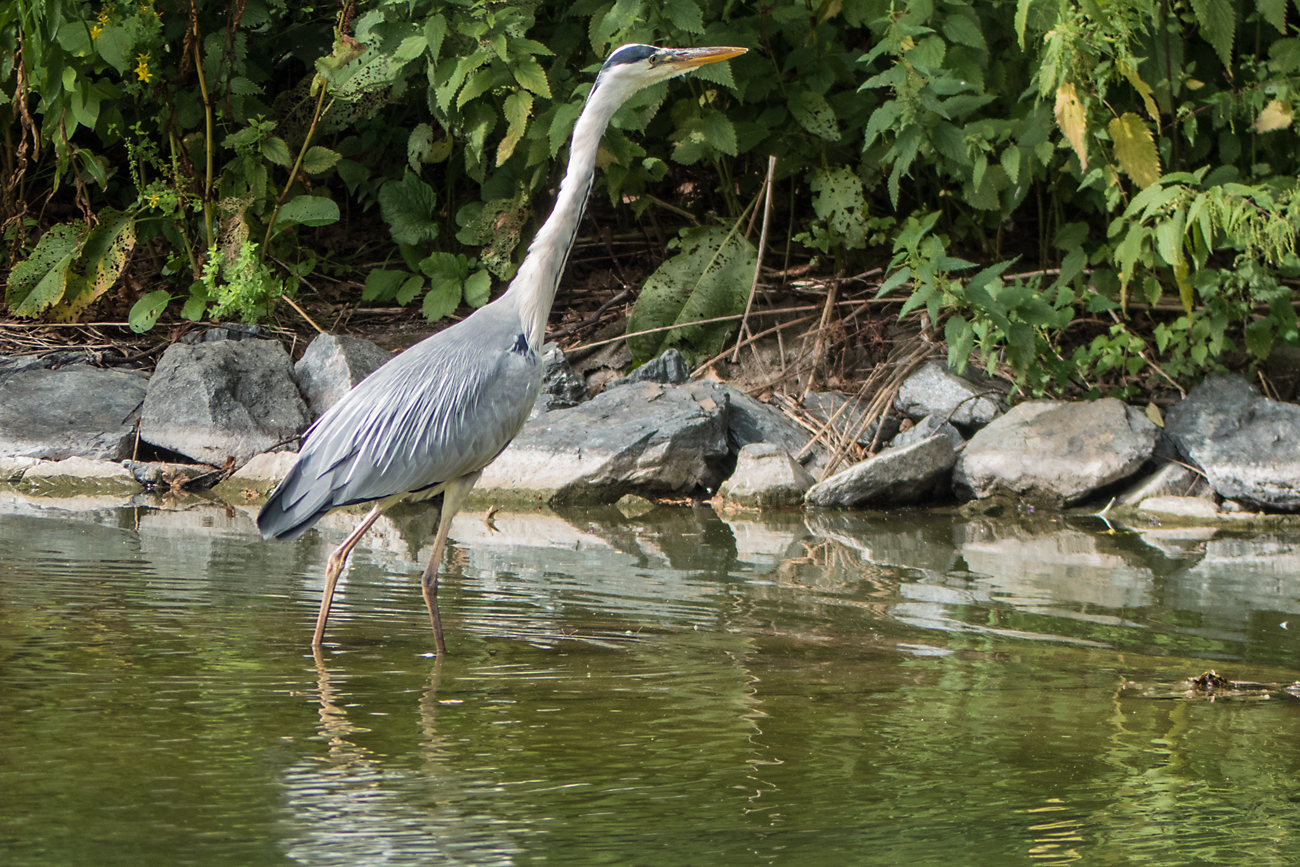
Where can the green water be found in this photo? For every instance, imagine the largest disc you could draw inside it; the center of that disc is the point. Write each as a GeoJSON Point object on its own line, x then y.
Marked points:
{"type": "Point", "coordinates": [672, 690]}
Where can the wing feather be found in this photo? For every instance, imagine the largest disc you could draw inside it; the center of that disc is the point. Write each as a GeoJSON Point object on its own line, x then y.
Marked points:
{"type": "Point", "coordinates": [442, 409]}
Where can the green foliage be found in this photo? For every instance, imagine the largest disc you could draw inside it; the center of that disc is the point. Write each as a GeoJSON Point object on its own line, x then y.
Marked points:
{"type": "Point", "coordinates": [1138, 158]}
{"type": "Point", "coordinates": [708, 279]}
{"type": "Point", "coordinates": [240, 285]}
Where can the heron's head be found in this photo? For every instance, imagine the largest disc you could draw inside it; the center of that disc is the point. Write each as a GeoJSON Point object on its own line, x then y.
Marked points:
{"type": "Point", "coordinates": [632, 67]}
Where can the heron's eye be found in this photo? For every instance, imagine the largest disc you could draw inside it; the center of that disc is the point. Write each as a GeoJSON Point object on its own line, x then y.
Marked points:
{"type": "Point", "coordinates": [654, 59]}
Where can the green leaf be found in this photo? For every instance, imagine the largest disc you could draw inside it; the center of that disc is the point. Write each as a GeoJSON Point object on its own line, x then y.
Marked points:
{"type": "Point", "coordinates": [309, 211]}
{"type": "Point", "coordinates": [196, 305]}
{"type": "Point", "coordinates": [841, 204]}
{"type": "Point", "coordinates": [145, 312]}
{"type": "Point", "coordinates": [38, 281]}
{"type": "Point", "coordinates": [1218, 22]}
{"type": "Point", "coordinates": [708, 278]}
{"type": "Point", "coordinates": [408, 206]}
{"type": "Point", "coordinates": [530, 75]}
{"type": "Point", "coordinates": [102, 259]}
{"type": "Point", "coordinates": [479, 83]}
{"type": "Point", "coordinates": [883, 118]}
{"type": "Point", "coordinates": [685, 15]}
{"type": "Point", "coordinates": [319, 159]}
{"type": "Point", "coordinates": [411, 48]}
{"type": "Point", "coordinates": [408, 290]}
{"type": "Point", "coordinates": [1072, 119]}
{"type": "Point", "coordinates": [960, 28]}
{"type": "Point", "coordinates": [445, 266]}
{"type": "Point", "coordinates": [1011, 163]}
{"type": "Point", "coordinates": [1274, 12]}
{"type": "Point", "coordinates": [1022, 17]}
{"type": "Point", "coordinates": [418, 145]}
{"type": "Point", "coordinates": [562, 125]}
{"type": "Point", "coordinates": [478, 288]}
{"type": "Point", "coordinates": [814, 114]}
{"type": "Point", "coordinates": [382, 285]}
{"type": "Point", "coordinates": [518, 107]}
{"type": "Point", "coordinates": [276, 151]}
{"type": "Point", "coordinates": [1169, 241]}
{"type": "Point", "coordinates": [435, 31]}
{"type": "Point", "coordinates": [1135, 150]}
{"type": "Point", "coordinates": [960, 337]}
{"type": "Point", "coordinates": [442, 299]}
{"type": "Point", "coordinates": [719, 132]}
{"type": "Point", "coordinates": [1259, 338]}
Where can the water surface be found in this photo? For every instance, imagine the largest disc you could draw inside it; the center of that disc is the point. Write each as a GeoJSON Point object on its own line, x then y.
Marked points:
{"type": "Point", "coordinates": [677, 689]}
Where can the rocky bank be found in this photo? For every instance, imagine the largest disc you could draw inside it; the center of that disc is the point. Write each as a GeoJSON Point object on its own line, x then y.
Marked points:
{"type": "Point", "coordinates": [230, 408]}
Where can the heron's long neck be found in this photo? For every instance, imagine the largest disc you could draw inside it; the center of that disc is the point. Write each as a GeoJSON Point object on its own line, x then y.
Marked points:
{"type": "Point", "coordinates": [534, 286]}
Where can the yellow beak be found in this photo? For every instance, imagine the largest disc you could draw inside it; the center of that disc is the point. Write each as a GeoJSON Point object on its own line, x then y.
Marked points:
{"type": "Point", "coordinates": [689, 58]}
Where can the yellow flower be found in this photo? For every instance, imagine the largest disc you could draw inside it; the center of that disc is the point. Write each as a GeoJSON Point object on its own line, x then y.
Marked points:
{"type": "Point", "coordinates": [95, 31]}
{"type": "Point", "coordinates": [142, 68]}
{"type": "Point", "coordinates": [153, 199]}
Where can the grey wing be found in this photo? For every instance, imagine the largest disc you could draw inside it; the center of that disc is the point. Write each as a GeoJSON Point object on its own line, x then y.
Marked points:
{"type": "Point", "coordinates": [441, 410]}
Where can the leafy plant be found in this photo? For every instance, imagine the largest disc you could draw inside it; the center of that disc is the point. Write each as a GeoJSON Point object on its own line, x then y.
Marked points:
{"type": "Point", "coordinates": [707, 280]}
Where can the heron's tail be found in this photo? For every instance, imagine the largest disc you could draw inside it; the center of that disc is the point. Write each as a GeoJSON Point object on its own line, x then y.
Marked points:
{"type": "Point", "coordinates": [292, 508]}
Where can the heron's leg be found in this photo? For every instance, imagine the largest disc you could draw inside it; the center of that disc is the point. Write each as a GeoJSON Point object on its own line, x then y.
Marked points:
{"type": "Point", "coordinates": [452, 496]}
{"type": "Point", "coordinates": [334, 566]}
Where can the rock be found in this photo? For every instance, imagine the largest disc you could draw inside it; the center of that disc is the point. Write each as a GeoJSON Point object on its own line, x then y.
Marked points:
{"type": "Point", "coordinates": [73, 411]}
{"type": "Point", "coordinates": [12, 469]}
{"type": "Point", "coordinates": [256, 478]}
{"type": "Point", "coordinates": [223, 399]}
{"type": "Point", "coordinates": [752, 421]}
{"type": "Point", "coordinates": [562, 386]}
{"type": "Point", "coordinates": [765, 477]}
{"type": "Point", "coordinates": [936, 390]}
{"type": "Point", "coordinates": [1171, 480]}
{"type": "Point", "coordinates": [1181, 507]}
{"type": "Point", "coordinates": [332, 365]}
{"type": "Point", "coordinates": [1052, 453]}
{"type": "Point", "coordinates": [156, 474]}
{"type": "Point", "coordinates": [633, 506]}
{"type": "Point", "coordinates": [644, 438]}
{"type": "Point", "coordinates": [1248, 445]}
{"type": "Point", "coordinates": [73, 476]}
{"type": "Point", "coordinates": [895, 477]}
{"type": "Point", "coordinates": [669, 369]}
{"type": "Point", "coordinates": [926, 428]}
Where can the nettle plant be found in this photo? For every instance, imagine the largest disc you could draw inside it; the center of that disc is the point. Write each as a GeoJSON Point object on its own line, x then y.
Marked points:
{"type": "Point", "coordinates": [1150, 145]}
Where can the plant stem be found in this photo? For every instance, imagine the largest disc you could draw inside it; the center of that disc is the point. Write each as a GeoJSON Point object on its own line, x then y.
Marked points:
{"type": "Point", "coordinates": [207, 144]}
{"type": "Point", "coordinates": [297, 164]}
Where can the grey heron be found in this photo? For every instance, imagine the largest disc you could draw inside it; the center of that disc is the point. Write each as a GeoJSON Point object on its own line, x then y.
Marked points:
{"type": "Point", "coordinates": [428, 422]}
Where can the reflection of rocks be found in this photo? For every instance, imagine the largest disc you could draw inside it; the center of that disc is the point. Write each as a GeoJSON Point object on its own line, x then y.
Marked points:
{"type": "Point", "coordinates": [1054, 567]}
{"type": "Point", "coordinates": [767, 543]}
{"type": "Point", "coordinates": [1238, 577]}
{"type": "Point", "coordinates": [919, 541]}
{"type": "Point", "coordinates": [1178, 543]}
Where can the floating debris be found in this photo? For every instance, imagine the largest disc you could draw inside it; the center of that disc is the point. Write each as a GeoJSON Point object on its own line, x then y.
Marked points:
{"type": "Point", "coordinates": [1212, 686]}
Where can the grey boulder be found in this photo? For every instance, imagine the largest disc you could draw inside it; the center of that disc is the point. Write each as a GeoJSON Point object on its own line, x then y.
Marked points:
{"type": "Point", "coordinates": [332, 365]}
{"type": "Point", "coordinates": [895, 477]}
{"type": "Point", "coordinates": [644, 438]}
{"type": "Point", "coordinates": [1054, 454]}
{"type": "Point", "coordinates": [765, 477]}
{"type": "Point", "coordinates": [1248, 445]}
{"type": "Point", "coordinates": [223, 399]}
{"type": "Point", "coordinates": [936, 390]}
{"type": "Point", "coordinates": [562, 386]}
{"type": "Point", "coordinates": [72, 411]}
